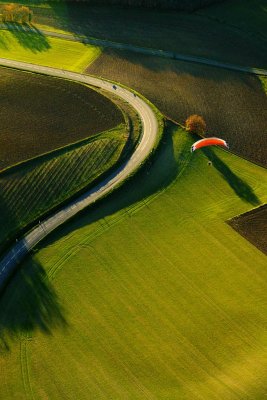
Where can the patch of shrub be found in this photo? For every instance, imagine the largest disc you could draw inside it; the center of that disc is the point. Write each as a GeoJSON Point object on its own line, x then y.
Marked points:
{"type": "Point", "coordinates": [16, 13]}
{"type": "Point", "coordinates": [195, 124]}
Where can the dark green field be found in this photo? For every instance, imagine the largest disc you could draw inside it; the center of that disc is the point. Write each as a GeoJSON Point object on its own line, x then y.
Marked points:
{"type": "Point", "coordinates": [233, 104]}
{"type": "Point", "coordinates": [249, 16]}
{"type": "Point", "coordinates": [39, 114]}
{"type": "Point", "coordinates": [167, 30]}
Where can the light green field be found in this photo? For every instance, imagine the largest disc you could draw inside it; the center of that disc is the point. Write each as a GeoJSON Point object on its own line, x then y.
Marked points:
{"type": "Point", "coordinates": [149, 295]}
{"type": "Point", "coordinates": [52, 52]}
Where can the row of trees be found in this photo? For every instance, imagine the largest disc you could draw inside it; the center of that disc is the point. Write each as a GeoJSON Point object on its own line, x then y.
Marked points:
{"type": "Point", "coordinates": [186, 5]}
{"type": "Point", "coordinates": [16, 13]}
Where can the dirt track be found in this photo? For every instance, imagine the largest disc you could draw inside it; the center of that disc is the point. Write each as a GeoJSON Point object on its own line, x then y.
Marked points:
{"type": "Point", "coordinates": [233, 104]}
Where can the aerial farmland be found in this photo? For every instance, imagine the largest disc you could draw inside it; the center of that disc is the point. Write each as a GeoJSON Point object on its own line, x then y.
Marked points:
{"type": "Point", "coordinates": [133, 192]}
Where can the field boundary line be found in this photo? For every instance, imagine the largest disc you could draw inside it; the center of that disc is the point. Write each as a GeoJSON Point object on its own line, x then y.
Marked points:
{"type": "Point", "coordinates": [147, 51]}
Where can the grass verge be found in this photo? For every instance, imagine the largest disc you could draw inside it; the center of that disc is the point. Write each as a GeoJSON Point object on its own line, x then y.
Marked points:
{"type": "Point", "coordinates": [34, 188]}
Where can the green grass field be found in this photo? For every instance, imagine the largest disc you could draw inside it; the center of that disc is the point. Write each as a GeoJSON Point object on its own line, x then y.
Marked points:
{"type": "Point", "coordinates": [31, 189]}
{"type": "Point", "coordinates": [149, 295]}
{"type": "Point", "coordinates": [39, 49]}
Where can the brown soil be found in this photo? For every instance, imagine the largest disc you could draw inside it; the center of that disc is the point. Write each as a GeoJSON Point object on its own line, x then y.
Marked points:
{"type": "Point", "coordinates": [39, 114]}
{"type": "Point", "coordinates": [233, 104]}
{"type": "Point", "coordinates": [253, 226]}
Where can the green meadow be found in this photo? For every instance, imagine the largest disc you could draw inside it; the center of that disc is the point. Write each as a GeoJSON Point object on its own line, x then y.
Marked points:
{"type": "Point", "coordinates": [37, 48]}
{"type": "Point", "coordinates": [148, 295]}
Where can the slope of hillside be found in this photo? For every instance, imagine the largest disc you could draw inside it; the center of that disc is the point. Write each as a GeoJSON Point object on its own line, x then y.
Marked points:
{"type": "Point", "coordinates": [168, 303]}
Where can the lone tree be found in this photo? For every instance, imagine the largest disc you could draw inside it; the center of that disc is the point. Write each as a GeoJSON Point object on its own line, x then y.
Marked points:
{"type": "Point", "coordinates": [195, 124]}
{"type": "Point", "coordinates": [16, 13]}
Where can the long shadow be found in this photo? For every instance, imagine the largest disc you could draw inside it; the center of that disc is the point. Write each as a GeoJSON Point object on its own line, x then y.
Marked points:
{"type": "Point", "coordinates": [3, 41]}
{"type": "Point", "coordinates": [141, 26]}
{"type": "Point", "coordinates": [29, 303]}
{"type": "Point", "coordinates": [241, 104]}
{"type": "Point", "coordinates": [157, 174]}
{"type": "Point", "coordinates": [29, 37]}
{"type": "Point", "coordinates": [239, 186]}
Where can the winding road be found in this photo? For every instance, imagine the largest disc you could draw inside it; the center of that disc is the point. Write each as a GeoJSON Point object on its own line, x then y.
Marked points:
{"type": "Point", "coordinates": [15, 255]}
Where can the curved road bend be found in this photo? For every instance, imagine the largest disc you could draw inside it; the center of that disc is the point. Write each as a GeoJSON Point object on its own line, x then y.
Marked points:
{"type": "Point", "coordinates": [16, 254]}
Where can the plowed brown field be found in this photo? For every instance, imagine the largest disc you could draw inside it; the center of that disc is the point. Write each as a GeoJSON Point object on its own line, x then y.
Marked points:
{"type": "Point", "coordinates": [39, 114]}
{"type": "Point", "coordinates": [253, 226]}
{"type": "Point", "coordinates": [233, 104]}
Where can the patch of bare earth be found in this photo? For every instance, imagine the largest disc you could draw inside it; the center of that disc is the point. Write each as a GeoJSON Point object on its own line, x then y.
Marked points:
{"type": "Point", "coordinates": [253, 226]}
{"type": "Point", "coordinates": [39, 114]}
{"type": "Point", "coordinates": [233, 104]}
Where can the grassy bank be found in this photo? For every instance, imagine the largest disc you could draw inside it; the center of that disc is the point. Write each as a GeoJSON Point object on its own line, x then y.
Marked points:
{"type": "Point", "coordinates": [168, 303]}
{"type": "Point", "coordinates": [33, 188]}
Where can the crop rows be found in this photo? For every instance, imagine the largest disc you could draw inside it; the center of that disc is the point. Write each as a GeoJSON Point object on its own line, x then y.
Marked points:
{"type": "Point", "coordinates": [33, 190]}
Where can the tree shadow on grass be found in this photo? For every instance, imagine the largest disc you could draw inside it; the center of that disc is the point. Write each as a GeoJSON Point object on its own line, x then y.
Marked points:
{"type": "Point", "coordinates": [3, 41]}
{"type": "Point", "coordinates": [28, 303]}
{"type": "Point", "coordinates": [29, 37]}
{"type": "Point", "coordinates": [156, 175]}
{"type": "Point", "coordinates": [239, 186]}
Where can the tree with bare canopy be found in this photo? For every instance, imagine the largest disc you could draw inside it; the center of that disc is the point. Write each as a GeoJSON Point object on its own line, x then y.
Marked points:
{"type": "Point", "coordinates": [16, 13]}
{"type": "Point", "coordinates": [196, 124]}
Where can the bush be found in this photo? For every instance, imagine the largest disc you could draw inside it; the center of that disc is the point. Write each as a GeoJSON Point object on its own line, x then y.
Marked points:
{"type": "Point", "coordinates": [16, 13]}
{"type": "Point", "coordinates": [196, 124]}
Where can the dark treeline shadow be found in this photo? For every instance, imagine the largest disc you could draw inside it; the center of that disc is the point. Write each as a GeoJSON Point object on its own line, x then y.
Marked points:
{"type": "Point", "coordinates": [28, 303]}
{"type": "Point", "coordinates": [239, 186]}
{"type": "Point", "coordinates": [29, 37]}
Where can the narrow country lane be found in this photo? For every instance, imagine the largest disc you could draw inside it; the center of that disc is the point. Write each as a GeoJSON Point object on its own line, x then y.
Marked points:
{"type": "Point", "coordinates": [15, 255]}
